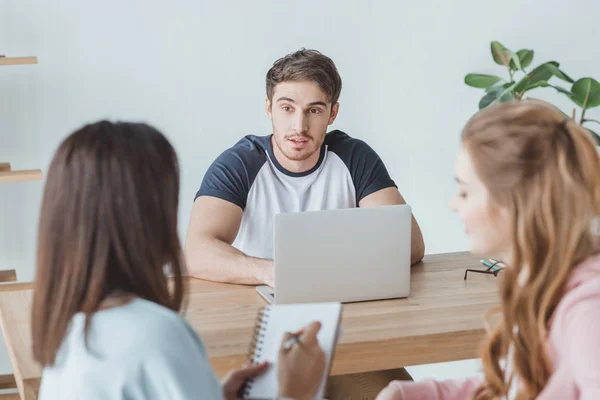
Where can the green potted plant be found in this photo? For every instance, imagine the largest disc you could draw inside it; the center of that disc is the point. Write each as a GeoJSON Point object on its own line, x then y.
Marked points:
{"type": "Point", "coordinates": [584, 92]}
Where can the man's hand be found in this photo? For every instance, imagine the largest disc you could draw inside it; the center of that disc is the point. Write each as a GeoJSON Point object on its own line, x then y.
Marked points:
{"type": "Point", "coordinates": [391, 196]}
{"type": "Point", "coordinates": [268, 275]}
{"type": "Point", "coordinates": [209, 251]}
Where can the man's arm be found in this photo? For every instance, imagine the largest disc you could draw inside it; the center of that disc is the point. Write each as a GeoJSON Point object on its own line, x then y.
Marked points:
{"type": "Point", "coordinates": [214, 224]}
{"type": "Point", "coordinates": [391, 196]}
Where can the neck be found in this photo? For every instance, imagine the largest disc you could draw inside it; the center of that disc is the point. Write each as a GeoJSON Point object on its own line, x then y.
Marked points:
{"type": "Point", "coordinates": [295, 166]}
{"type": "Point", "coordinates": [116, 298]}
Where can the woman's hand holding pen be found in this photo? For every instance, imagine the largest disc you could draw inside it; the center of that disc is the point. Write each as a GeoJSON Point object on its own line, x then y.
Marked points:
{"type": "Point", "coordinates": [301, 363]}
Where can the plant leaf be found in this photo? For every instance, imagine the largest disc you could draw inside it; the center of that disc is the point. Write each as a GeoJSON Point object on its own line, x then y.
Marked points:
{"type": "Point", "coordinates": [501, 54]}
{"type": "Point", "coordinates": [586, 93]}
{"type": "Point", "coordinates": [498, 88]}
{"type": "Point", "coordinates": [562, 90]}
{"type": "Point", "coordinates": [525, 57]}
{"type": "Point", "coordinates": [486, 100]}
{"type": "Point", "coordinates": [515, 63]}
{"type": "Point", "coordinates": [508, 89]}
{"type": "Point", "coordinates": [498, 94]}
{"type": "Point", "coordinates": [482, 81]}
{"type": "Point", "coordinates": [545, 84]}
{"type": "Point", "coordinates": [558, 73]}
{"type": "Point", "coordinates": [542, 72]}
{"type": "Point", "coordinates": [523, 84]}
{"type": "Point", "coordinates": [506, 96]}
{"type": "Point", "coordinates": [538, 84]}
{"type": "Point", "coordinates": [533, 86]}
{"type": "Point", "coordinates": [591, 120]}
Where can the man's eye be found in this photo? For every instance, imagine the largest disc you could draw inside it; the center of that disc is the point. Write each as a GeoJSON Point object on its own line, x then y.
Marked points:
{"type": "Point", "coordinates": [315, 111]}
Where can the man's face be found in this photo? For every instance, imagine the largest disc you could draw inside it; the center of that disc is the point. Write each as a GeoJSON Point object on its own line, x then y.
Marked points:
{"type": "Point", "coordinates": [300, 113]}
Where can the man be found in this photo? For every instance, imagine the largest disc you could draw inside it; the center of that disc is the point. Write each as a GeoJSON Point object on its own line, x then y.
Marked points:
{"type": "Point", "coordinates": [300, 167]}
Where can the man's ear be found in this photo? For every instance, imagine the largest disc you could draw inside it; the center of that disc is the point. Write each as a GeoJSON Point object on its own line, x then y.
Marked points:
{"type": "Point", "coordinates": [334, 112]}
{"type": "Point", "coordinates": [268, 108]}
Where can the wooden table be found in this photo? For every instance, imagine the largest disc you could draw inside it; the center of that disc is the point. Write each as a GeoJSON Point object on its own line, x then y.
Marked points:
{"type": "Point", "coordinates": [442, 320]}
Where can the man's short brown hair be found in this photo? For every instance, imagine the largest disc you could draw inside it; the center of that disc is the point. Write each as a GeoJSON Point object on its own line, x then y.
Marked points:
{"type": "Point", "coordinates": [306, 65]}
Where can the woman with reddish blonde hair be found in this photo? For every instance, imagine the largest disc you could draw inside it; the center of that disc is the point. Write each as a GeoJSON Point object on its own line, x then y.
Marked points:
{"type": "Point", "coordinates": [529, 194]}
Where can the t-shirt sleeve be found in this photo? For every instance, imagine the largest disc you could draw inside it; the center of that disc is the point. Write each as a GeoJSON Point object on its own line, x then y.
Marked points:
{"type": "Point", "coordinates": [231, 175]}
{"type": "Point", "coordinates": [367, 170]}
{"type": "Point", "coordinates": [176, 367]}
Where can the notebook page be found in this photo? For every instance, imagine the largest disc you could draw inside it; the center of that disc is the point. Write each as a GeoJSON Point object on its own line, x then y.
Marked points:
{"type": "Point", "coordinates": [292, 318]}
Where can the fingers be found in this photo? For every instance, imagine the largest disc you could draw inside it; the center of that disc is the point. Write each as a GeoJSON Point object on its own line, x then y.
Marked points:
{"type": "Point", "coordinates": [306, 336]}
{"type": "Point", "coordinates": [251, 370]}
{"type": "Point", "coordinates": [287, 336]}
{"type": "Point", "coordinates": [322, 358]}
{"type": "Point", "coordinates": [309, 334]}
{"type": "Point", "coordinates": [255, 369]}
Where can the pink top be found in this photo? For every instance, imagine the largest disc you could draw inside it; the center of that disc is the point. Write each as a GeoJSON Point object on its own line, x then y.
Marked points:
{"type": "Point", "coordinates": [573, 346]}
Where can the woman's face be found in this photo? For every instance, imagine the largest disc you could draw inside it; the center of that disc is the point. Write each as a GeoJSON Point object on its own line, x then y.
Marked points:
{"type": "Point", "coordinates": [486, 223]}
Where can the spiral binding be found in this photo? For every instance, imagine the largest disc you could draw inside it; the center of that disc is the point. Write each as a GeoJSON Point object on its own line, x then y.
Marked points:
{"type": "Point", "coordinates": [256, 346]}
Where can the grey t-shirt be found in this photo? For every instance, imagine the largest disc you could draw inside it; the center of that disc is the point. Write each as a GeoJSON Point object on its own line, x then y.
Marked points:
{"type": "Point", "coordinates": [137, 351]}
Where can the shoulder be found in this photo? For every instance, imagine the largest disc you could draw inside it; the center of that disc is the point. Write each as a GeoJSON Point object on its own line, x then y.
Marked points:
{"type": "Point", "coordinates": [579, 307]}
{"type": "Point", "coordinates": [232, 174]}
{"type": "Point", "coordinates": [366, 168]}
{"type": "Point", "coordinates": [249, 152]}
{"type": "Point", "coordinates": [165, 326]}
{"type": "Point", "coordinates": [340, 142]}
{"type": "Point", "coordinates": [169, 359]}
{"type": "Point", "coordinates": [140, 349]}
{"type": "Point", "coordinates": [146, 327]}
{"type": "Point", "coordinates": [352, 151]}
{"type": "Point", "coordinates": [245, 158]}
{"type": "Point", "coordinates": [583, 285]}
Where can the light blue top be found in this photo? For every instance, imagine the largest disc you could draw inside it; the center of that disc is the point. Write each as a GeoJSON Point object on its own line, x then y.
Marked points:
{"type": "Point", "coordinates": [137, 351]}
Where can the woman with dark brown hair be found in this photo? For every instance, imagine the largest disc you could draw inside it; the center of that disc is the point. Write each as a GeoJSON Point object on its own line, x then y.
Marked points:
{"type": "Point", "coordinates": [529, 194]}
{"type": "Point", "coordinates": [110, 283]}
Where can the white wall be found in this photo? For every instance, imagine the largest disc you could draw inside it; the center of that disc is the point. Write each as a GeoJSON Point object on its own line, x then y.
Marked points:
{"type": "Point", "coordinates": [195, 69]}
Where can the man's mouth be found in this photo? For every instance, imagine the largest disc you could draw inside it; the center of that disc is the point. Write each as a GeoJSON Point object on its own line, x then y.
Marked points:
{"type": "Point", "coordinates": [298, 140]}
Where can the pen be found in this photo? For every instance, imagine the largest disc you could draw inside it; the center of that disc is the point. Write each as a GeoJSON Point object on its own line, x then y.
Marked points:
{"type": "Point", "coordinates": [290, 342]}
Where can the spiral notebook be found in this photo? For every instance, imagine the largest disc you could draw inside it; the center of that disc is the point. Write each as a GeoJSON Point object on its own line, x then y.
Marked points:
{"type": "Point", "coordinates": [271, 324]}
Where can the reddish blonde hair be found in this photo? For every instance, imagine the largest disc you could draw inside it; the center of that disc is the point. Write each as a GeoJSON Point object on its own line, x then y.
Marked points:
{"type": "Point", "coordinates": [543, 168]}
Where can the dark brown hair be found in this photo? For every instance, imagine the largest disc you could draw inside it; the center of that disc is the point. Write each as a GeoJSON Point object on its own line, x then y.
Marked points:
{"type": "Point", "coordinates": [108, 225]}
{"type": "Point", "coordinates": [543, 168]}
{"type": "Point", "coordinates": [306, 65]}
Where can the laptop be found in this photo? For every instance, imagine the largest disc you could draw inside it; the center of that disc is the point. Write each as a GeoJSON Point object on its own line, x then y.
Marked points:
{"type": "Point", "coordinates": [345, 255]}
